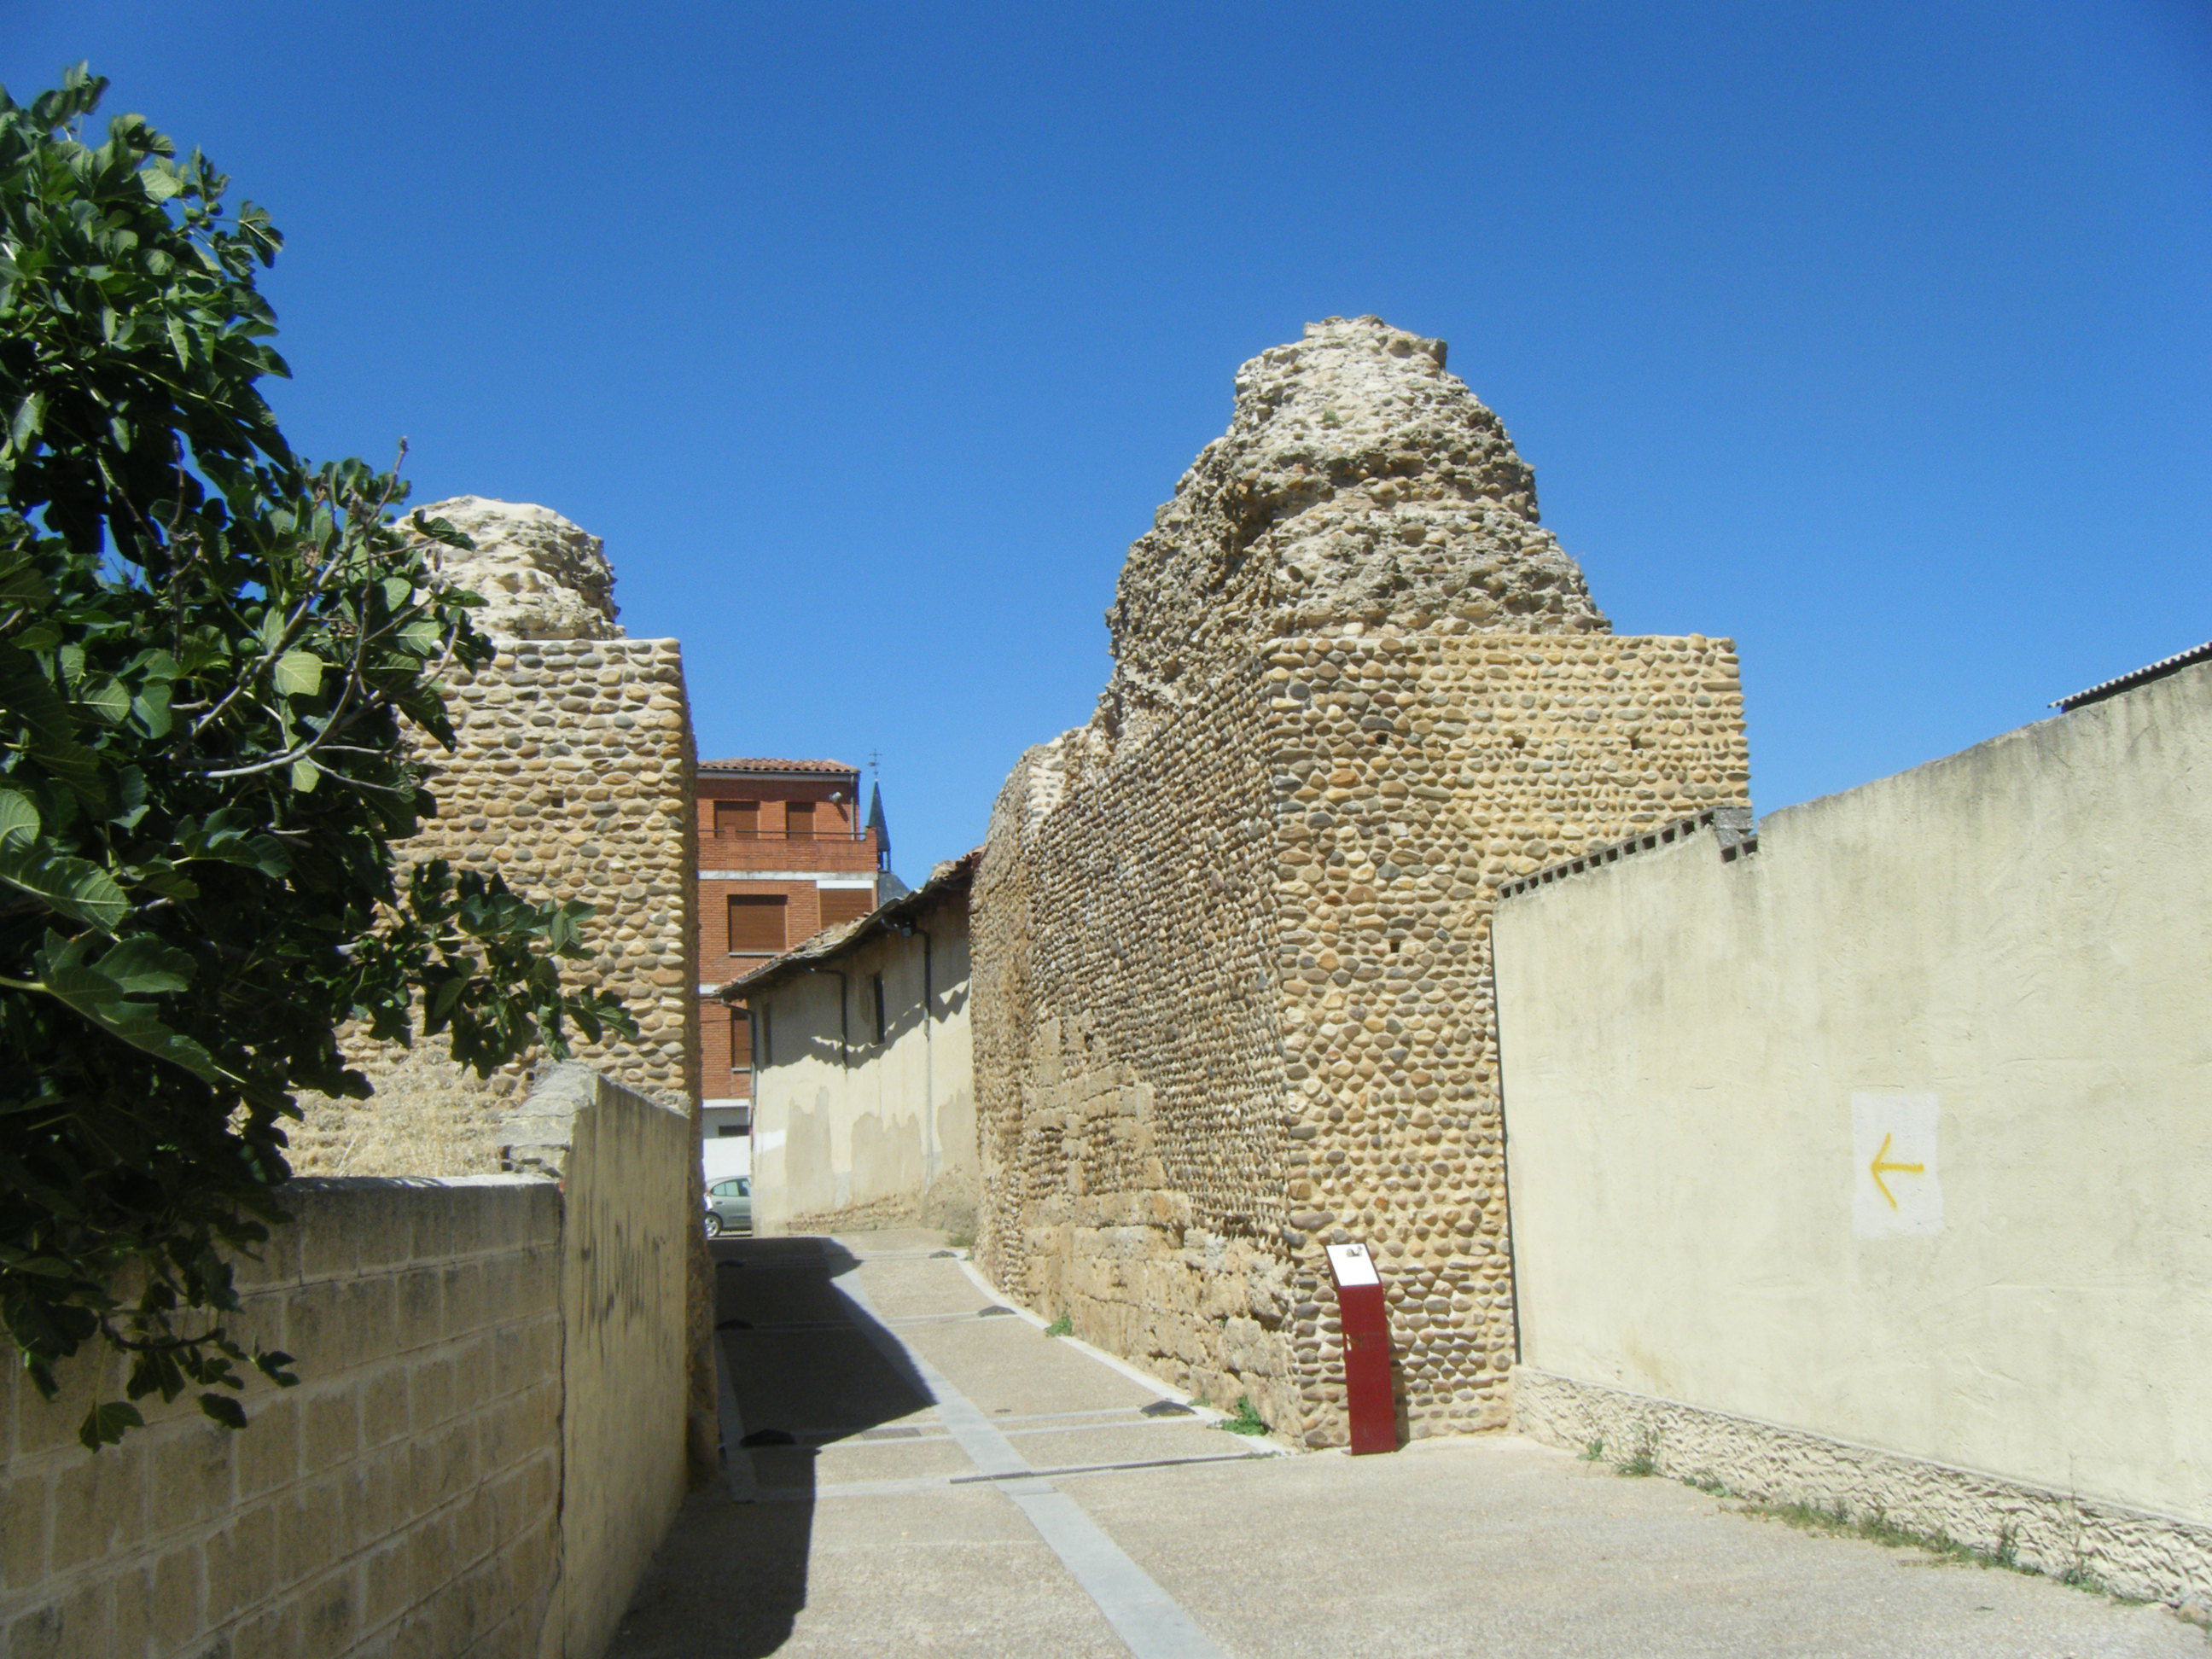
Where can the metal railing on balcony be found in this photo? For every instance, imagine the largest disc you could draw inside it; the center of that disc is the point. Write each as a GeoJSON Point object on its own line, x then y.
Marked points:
{"type": "Point", "coordinates": [718, 833]}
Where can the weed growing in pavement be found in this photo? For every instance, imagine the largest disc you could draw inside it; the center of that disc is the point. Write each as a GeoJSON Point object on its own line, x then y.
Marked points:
{"type": "Point", "coordinates": [1593, 1451]}
{"type": "Point", "coordinates": [1878, 1528]}
{"type": "Point", "coordinates": [1247, 1421]}
{"type": "Point", "coordinates": [1062, 1325]}
{"type": "Point", "coordinates": [1644, 1461]}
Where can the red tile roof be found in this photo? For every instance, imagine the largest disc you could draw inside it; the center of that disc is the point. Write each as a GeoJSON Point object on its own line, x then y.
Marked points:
{"type": "Point", "coordinates": [758, 765]}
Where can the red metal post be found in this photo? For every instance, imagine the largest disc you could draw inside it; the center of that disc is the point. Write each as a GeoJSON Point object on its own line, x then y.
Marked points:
{"type": "Point", "coordinates": [1366, 1325]}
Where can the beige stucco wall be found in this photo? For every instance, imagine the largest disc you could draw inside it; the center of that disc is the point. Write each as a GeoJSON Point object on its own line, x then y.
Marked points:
{"type": "Point", "coordinates": [2013, 945]}
{"type": "Point", "coordinates": [848, 1131]}
{"type": "Point", "coordinates": [485, 1447]}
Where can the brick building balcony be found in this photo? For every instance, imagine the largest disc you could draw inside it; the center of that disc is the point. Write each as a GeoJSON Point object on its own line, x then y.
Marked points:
{"type": "Point", "coordinates": [828, 852]}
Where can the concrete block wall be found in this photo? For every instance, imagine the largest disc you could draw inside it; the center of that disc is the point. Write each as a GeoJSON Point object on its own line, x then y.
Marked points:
{"type": "Point", "coordinates": [487, 1443]}
{"type": "Point", "coordinates": [403, 1498]}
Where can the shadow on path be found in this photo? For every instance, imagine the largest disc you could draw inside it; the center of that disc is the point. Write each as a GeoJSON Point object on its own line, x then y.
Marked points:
{"type": "Point", "coordinates": [807, 1368]}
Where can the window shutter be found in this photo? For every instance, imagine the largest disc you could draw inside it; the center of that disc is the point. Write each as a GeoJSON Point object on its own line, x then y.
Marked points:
{"type": "Point", "coordinates": [737, 817]}
{"type": "Point", "coordinates": [756, 923]}
{"type": "Point", "coordinates": [843, 904]}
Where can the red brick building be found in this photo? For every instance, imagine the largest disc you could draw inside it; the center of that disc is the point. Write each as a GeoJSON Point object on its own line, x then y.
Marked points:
{"type": "Point", "coordinates": [783, 853]}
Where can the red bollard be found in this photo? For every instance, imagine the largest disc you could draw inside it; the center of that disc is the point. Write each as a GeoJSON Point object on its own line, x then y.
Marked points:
{"type": "Point", "coordinates": [1366, 1325]}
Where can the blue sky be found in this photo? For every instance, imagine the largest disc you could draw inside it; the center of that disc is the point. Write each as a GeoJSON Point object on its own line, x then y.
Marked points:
{"type": "Point", "coordinates": [1877, 336]}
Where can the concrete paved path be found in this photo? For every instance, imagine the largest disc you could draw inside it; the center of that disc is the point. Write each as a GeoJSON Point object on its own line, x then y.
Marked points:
{"type": "Point", "coordinates": [927, 1479]}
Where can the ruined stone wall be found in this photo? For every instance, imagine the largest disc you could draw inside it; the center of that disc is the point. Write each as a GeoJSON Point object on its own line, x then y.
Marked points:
{"type": "Point", "coordinates": [1413, 776]}
{"type": "Point", "coordinates": [1233, 996]}
{"type": "Point", "coordinates": [1128, 1052]}
{"type": "Point", "coordinates": [572, 777]}
{"type": "Point", "coordinates": [572, 780]}
{"type": "Point", "coordinates": [1232, 966]}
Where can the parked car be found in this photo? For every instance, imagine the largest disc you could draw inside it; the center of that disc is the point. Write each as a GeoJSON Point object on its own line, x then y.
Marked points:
{"type": "Point", "coordinates": [730, 1206]}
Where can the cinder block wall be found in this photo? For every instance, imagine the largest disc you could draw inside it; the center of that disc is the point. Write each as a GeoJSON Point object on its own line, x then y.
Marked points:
{"type": "Point", "coordinates": [486, 1445]}
{"type": "Point", "coordinates": [1232, 994]}
{"type": "Point", "coordinates": [404, 1496]}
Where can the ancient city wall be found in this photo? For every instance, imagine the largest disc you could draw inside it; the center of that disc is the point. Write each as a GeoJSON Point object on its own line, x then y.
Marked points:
{"type": "Point", "coordinates": [1128, 1054]}
{"type": "Point", "coordinates": [572, 779]}
{"type": "Point", "coordinates": [1233, 995]}
{"type": "Point", "coordinates": [435, 1483]}
{"type": "Point", "coordinates": [1870, 1168]}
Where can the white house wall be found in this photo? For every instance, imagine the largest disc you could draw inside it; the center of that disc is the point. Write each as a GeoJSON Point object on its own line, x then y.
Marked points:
{"type": "Point", "coordinates": [851, 1133]}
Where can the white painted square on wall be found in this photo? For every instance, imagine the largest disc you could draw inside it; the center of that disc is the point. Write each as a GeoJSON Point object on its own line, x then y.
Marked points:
{"type": "Point", "coordinates": [1895, 1190]}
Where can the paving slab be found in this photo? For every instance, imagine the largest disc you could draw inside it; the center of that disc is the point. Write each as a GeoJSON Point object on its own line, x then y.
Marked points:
{"type": "Point", "coordinates": [929, 1505]}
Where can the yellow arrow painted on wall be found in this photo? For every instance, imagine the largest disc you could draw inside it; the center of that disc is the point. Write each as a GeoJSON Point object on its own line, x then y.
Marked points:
{"type": "Point", "coordinates": [1878, 1166]}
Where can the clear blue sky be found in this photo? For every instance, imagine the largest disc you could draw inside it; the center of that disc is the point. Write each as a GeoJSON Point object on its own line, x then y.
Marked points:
{"type": "Point", "coordinates": [1878, 336]}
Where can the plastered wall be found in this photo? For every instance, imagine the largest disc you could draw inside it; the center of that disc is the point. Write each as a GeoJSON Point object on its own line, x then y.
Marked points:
{"type": "Point", "coordinates": [486, 1444]}
{"type": "Point", "coordinates": [1233, 994]}
{"type": "Point", "coordinates": [851, 1132]}
{"type": "Point", "coordinates": [1874, 1167]}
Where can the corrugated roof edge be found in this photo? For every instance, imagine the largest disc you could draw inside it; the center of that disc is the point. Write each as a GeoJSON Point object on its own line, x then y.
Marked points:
{"type": "Point", "coordinates": [2143, 675]}
{"type": "Point", "coordinates": [947, 878]}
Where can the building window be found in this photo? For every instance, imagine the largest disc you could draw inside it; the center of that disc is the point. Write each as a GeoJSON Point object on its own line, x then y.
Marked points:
{"type": "Point", "coordinates": [843, 904]}
{"type": "Point", "coordinates": [757, 924]}
{"type": "Point", "coordinates": [875, 989]}
{"type": "Point", "coordinates": [733, 1129]}
{"type": "Point", "coordinates": [799, 820]}
{"type": "Point", "coordinates": [741, 1041]}
{"type": "Point", "coordinates": [739, 819]}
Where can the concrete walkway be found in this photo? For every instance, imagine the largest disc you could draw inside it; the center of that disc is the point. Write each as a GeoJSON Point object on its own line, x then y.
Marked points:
{"type": "Point", "coordinates": [928, 1479]}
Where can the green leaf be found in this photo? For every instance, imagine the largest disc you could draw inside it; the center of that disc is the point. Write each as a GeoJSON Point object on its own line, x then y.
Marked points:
{"type": "Point", "coordinates": [30, 415]}
{"type": "Point", "coordinates": [18, 817]}
{"type": "Point", "coordinates": [75, 887]}
{"type": "Point", "coordinates": [29, 702]}
{"type": "Point", "coordinates": [85, 985]}
{"type": "Point", "coordinates": [144, 963]}
{"type": "Point", "coordinates": [305, 772]}
{"type": "Point", "coordinates": [103, 699]}
{"type": "Point", "coordinates": [298, 674]}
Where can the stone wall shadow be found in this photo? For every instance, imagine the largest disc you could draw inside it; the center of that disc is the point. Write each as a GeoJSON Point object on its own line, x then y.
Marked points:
{"type": "Point", "coordinates": [808, 1368]}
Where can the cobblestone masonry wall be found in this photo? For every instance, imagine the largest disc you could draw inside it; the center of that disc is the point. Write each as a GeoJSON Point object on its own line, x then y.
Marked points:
{"type": "Point", "coordinates": [1128, 1057]}
{"type": "Point", "coordinates": [1233, 994]}
{"type": "Point", "coordinates": [572, 780]}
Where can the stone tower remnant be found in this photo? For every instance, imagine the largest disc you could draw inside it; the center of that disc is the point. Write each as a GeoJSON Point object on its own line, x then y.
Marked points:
{"type": "Point", "coordinates": [573, 779]}
{"type": "Point", "coordinates": [1232, 938]}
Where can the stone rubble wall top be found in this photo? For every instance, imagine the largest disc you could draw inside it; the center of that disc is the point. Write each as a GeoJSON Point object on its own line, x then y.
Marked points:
{"type": "Point", "coordinates": [1359, 482]}
{"type": "Point", "coordinates": [542, 577]}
